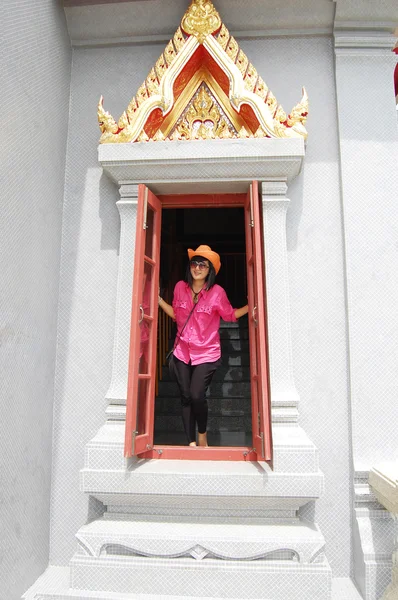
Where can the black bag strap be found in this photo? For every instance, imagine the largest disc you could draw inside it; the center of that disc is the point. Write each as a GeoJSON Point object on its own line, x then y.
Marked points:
{"type": "Point", "coordinates": [182, 330]}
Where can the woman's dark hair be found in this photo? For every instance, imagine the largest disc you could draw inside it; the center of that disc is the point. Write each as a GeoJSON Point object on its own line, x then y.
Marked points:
{"type": "Point", "coordinates": [211, 275]}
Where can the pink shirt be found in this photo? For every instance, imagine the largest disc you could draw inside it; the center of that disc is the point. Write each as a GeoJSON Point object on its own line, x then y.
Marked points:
{"type": "Point", "coordinates": [200, 340]}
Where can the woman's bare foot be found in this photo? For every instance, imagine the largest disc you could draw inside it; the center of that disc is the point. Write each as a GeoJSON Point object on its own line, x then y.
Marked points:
{"type": "Point", "coordinates": [202, 439]}
{"type": "Point", "coordinates": [192, 444]}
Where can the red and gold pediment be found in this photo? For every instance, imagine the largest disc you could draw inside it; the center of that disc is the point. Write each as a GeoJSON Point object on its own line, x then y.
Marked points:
{"type": "Point", "coordinates": [203, 86]}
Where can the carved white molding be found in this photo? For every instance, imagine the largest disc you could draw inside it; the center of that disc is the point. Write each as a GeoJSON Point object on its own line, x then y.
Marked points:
{"type": "Point", "coordinates": [202, 166]}
{"type": "Point", "coordinates": [127, 206]}
{"type": "Point", "coordinates": [220, 537]}
{"type": "Point", "coordinates": [359, 43]}
{"type": "Point", "coordinates": [284, 395]}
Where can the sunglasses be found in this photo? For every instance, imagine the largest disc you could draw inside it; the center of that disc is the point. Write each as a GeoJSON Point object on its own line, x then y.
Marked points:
{"type": "Point", "coordinates": [195, 264]}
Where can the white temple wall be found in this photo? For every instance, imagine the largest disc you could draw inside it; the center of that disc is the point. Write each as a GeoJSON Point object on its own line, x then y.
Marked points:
{"type": "Point", "coordinates": [35, 83]}
{"type": "Point", "coordinates": [369, 151]}
{"type": "Point", "coordinates": [89, 273]}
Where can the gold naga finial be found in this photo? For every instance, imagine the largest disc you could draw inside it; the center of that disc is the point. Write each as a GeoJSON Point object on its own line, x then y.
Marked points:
{"type": "Point", "coordinates": [201, 19]}
{"type": "Point", "coordinates": [299, 112]}
{"type": "Point", "coordinates": [107, 123]}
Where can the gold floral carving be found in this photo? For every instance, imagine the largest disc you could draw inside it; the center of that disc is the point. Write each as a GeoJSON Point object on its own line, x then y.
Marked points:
{"type": "Point", "coordinates": [142, 94]}
{"type": "Point", "coordinates": [201, 19]}
{"type": "Point", "coordinates": [170, 53]}
{"type": "Point", "coordinates": [271, 102]}
{"type": "Point", "coordinates": [232, 48]}
{"type": "Point", "coordinates": [143, 137]}
{"type": "Point", "coordinates": [178, 39]}
{"type": "Point", "coordinates": [280, 115]}
{"type": "Point", "coordinates": [203, 119]}
{"type": "Point", "coordinates": [251, 78]}
{"type": "Point", "coordinates": [260, 133]}
{"type": "Point", "coordinates": [158, 137]}
{"type": "Point", "coordinates": [123, 121]}
{"type": "Point", "coordinates": [241, 62]}
{"type": "Point", "coordinates": [261, 88]}
{"type": "Point", "coordinates": [243, 133]}
{"type": "Point", "coordinates": [223, 37]}
{"type": "Point", "coordinates": [152, 82]}
{"type": "Point", "coordinates": [161, 67]}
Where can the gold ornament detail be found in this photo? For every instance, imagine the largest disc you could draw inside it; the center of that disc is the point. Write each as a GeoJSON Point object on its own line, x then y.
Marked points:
{"type": "Point", "coordinates": [243, 133]}
{"type": "Point", "coordinates": [152, 82]}
{"type": "Point", "coordinates": [271, 101]}
{"type": "Point", "coordinates": [261, 88]}
{"type": "Point", "coordinates": [203, 119]}
{"type": "Point", "coordinates": [142, 94]}
{"type": "Point", "coordinates": [143, 137]}
{"type": "Point", "coordinates": [280, 115]}
{"type": "Point", "coordinates": [201, 19]}
{"type": "Point", "coordinates": [232, 48]}
{"type": "Point", "coordinates": [123, 121]}
{"type": "Point", "coordinates": [161, 67]}
{"type": "Point", "coordinates": [241, 62]}
{"type": "Point", "coordinates": [251, 78]}
{"type": "Point", "coordinates": [223, 37]}
{"type": "Point", "coordinates": [299, 112]}
{"type": "Point", "coordinates": [158, 137]}
{"type": "Point", "coordinates": [178, 40]}
{"type": "Point", "coordinates": [260, 133]}
{"type": "Point", "coordinates": [170, 53]}
{"type": "Point", "coordinates": [107, 123]}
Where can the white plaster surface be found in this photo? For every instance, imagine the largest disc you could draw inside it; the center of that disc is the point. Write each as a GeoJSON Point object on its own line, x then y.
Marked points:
{"type": "Point", "coordinates": [89, 275]}
{"type": "Point", "coordinates": [34, 83]}
{"type": "Point", "coordinates": [54, 585]}
{"type": "Point", "coordinates": [369, 178]}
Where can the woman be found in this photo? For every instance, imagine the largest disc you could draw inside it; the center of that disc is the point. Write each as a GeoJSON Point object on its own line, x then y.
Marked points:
{"type": "Point", "coordinates": [197, 349]}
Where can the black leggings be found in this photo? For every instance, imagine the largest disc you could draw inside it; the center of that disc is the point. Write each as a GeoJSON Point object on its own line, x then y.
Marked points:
{"type": "Point", "coordinates": [193, 381]}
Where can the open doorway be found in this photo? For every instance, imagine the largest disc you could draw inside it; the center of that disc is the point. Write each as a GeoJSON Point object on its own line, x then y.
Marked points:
{"type": "Point", "coordinates": [143, 377]}
{"type": "Point", "coordinates": [229, 397]}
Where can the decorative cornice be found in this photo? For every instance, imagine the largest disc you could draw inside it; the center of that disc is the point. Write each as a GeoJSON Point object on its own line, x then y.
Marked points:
{"type": "Point", "coordinates": [361, 43]}
{"type": "Point", "coordinates": [262, 115]}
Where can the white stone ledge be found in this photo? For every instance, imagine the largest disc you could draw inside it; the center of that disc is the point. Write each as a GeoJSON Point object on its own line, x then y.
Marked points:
{"type": "Point", "coordinates": [224, 539]}
{"type": "Point", "coordinates": [202, 166]}
{"type": "Point", "coordinates": [293, 450]}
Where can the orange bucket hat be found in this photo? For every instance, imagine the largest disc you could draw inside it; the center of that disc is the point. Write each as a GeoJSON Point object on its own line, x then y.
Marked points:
{"type": "Point", "coordinates": [208, 253]}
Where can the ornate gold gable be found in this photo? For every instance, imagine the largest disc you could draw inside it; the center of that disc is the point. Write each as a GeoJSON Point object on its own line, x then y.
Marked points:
{"type": "Point", "coordinates": [203, 86]}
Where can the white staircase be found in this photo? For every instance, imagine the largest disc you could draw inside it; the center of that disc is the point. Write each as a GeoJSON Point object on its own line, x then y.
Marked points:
{"type": "Point", "coordinates": [199, 529]}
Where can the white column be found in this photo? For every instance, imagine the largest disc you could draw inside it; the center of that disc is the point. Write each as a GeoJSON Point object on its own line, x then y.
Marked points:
{"type": "Point", "coordinates": [127, 206]}
{"type": "Point", "coordinates": [369, 182]}
{"type": "Point", "coordinates": [284, 395]}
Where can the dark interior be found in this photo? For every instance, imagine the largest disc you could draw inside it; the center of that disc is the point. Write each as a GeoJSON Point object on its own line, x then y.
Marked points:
{"type": "Point", "coordinates": [229, 394]}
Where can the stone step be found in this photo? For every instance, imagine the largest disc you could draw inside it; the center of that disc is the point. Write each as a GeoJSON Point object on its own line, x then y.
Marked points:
{"type": "Point", "coordinates": [237, 580]}
{"type": "Point", "coordinates": [177, 555]}
{"type": "Point", "coordinates": [171, 405]}
{"type": "Point", "coordinates": [227, 406]}
{"type": "Point", "coordinates": [217, 389]}
{"type": "Point", "coordinates": [215, 423]}
{"type": "Point", "coordinates": [199, 537]}
{"type": "Point", "coordinates": [241, 324]}
{"type": "Point", "coordinates": [214, 438]}
{"type": "Point", "coordinates": [223, 373]}
{"type": "Point", "coordinates": [235, 333]}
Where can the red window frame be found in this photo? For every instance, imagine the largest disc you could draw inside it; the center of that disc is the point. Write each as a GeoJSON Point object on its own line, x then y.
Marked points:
{"type": "Point", "coordinates": [140, 410]}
